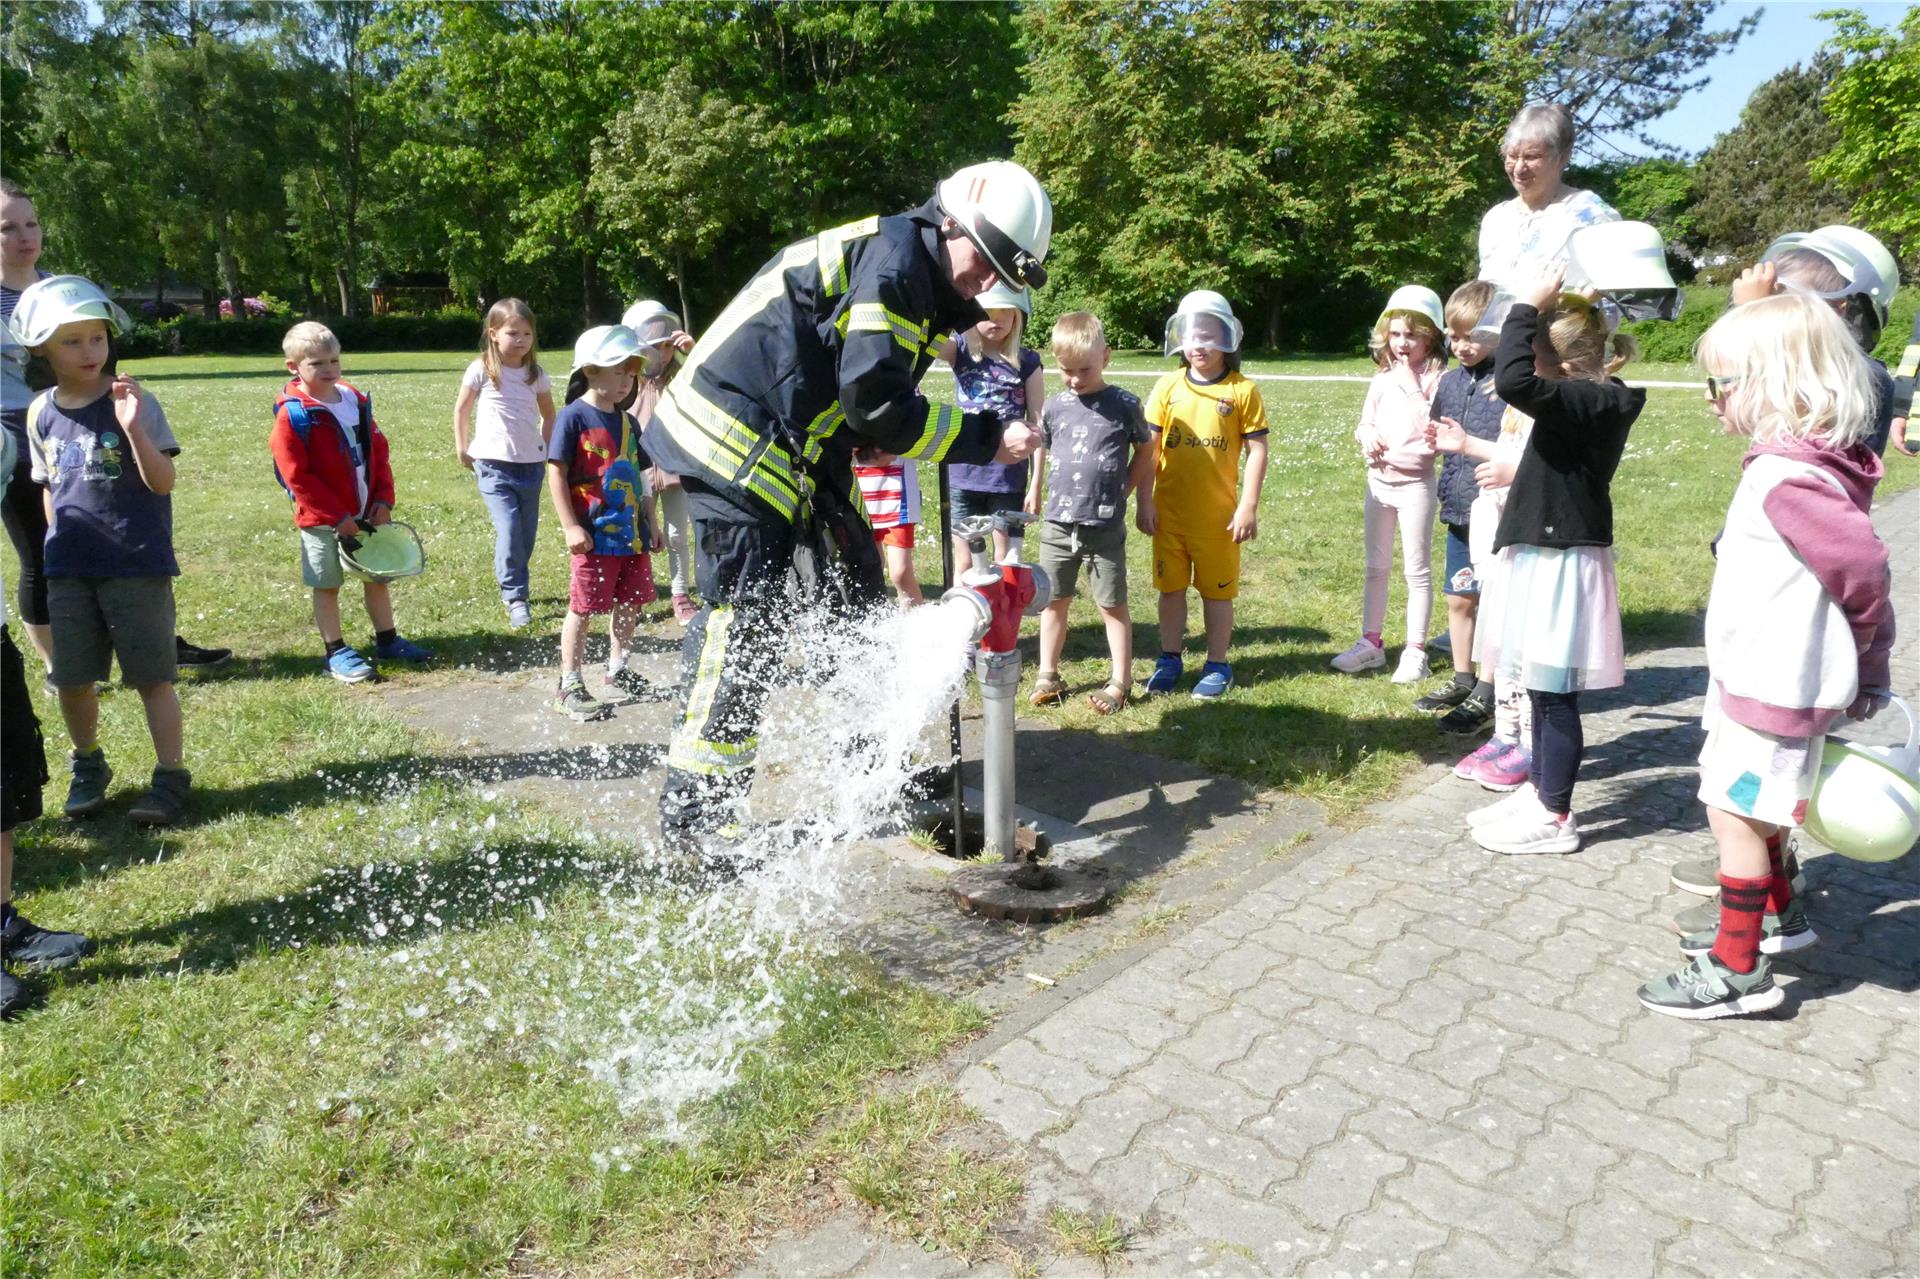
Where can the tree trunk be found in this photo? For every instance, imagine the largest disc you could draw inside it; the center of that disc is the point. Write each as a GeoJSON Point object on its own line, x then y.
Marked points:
{"type": "Point", "coordinates": [589, 286]}
{"type": "Point", "coordinates": [680, 282]}
{"type": "Point", "coordinates": [229, 269]}
{"type": "Point", "coordinates": [343, 280]}
{"type": "Point", "coordinates": [1273, 319]}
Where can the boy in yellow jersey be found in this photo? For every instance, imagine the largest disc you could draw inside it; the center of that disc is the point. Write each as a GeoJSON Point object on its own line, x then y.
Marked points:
{"type": "Point", "coordinates": [1204, 415]}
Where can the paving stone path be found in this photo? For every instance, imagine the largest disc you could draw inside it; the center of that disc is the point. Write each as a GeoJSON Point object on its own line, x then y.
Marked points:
{"type": "Point", "coordinates": [1395, 1053]}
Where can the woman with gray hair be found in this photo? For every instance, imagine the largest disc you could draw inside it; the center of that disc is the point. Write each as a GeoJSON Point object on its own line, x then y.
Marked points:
{"type": "Point", "coordinates": [1521, 237]}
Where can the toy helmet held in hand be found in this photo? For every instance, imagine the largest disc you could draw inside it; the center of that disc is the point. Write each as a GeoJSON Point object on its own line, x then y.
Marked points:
{"type": "Point", "coordinates": [1003, 210]}
{"type": "Point", "coordinates": [1001, 297]}
{"type": "Point", "coordinates": [385, 553]}
{"type": "Point", "coordinates": [1865, 263]}
{"type": "Point", "coordinates": [1627, 262]}
{"type": "Point", "coordinates": [606, 346]}
{"type": "Point", "coordinates": [1203, 319]}
{"type": "Point", "coordinates": [1416, 299]}
{"type": "Point", "coordinates": [1866, 801]}
{"type": "Point", "coordinates": [47, 304]}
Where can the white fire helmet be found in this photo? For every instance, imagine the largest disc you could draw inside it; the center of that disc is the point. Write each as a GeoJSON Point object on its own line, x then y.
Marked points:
{"type": "Point", "coordinates": [604, 347]}
{"type": "Point", "coordinates": [1416, 299]}
{"type": "Point", "coordinates": [45, 305]}
{"type": "Point", "coordinates": [1866, 801]}
{"type": "Point", "coordinates": [1001, 296]}
{"type": "Point", "coordinates": [1004, 211]}
{"type": "Point", "coordinates": [655, 326]}
{"type": "Point", "coordinates": [1864, 261]}
{"type": "Point", "coordinates": [1204, 319]}
{"type": "Point", "coordinates": [1626, 262]}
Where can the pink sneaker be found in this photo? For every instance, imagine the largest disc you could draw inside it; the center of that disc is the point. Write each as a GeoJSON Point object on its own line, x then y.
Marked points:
{"type": "Point", "coordinates": [1506, 770]}
{"type": "Point", "coordinates": [1468, 769]}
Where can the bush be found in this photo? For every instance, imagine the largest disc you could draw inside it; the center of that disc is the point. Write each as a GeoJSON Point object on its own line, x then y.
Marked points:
{"type": "Point", "coordinates": [198, 335]}
{"type": "Point", "coordinates": [1671, 341]}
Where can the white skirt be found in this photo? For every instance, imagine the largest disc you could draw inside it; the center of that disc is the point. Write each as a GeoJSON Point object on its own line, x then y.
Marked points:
{"type": "Point", "coordinates": [1550, 619]}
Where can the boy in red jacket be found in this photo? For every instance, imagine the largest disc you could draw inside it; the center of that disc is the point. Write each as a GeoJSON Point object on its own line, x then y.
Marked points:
{"type": "Point", "coordinates": [332, 460]}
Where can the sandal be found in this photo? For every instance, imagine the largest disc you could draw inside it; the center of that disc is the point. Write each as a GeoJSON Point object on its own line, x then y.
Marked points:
{"type": "Point", "coordinates": [1110, 700]}
{"type": "Point", "coordinates": [1048, 690]}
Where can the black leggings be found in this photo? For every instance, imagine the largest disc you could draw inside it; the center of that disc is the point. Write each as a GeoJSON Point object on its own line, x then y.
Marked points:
{"type": "Point", "coordinates": [1558, 745]}
{"type": "Point", "coordinates": [26, 520]}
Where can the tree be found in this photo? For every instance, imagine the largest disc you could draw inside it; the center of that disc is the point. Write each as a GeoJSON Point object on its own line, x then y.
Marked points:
{"type": "Point", "coordinates": [1618, 65]}
{"type": "Point", "coordinates": [677, 171]}
{"type": "Point", "coordinates": [1872, 104]}
{"type": "Point", "coordinates": [1759, 179]}
{"type": "Point", "coordinates": [1267, 151]}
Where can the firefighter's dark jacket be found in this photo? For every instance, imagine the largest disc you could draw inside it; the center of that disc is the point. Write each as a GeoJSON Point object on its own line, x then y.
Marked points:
{"type": "Point", "coordinates": [820, 354]}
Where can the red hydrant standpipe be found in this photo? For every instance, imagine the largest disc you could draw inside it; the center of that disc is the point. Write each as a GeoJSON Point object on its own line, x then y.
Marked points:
{"type": "Point", "coordinates": [1000, 594]}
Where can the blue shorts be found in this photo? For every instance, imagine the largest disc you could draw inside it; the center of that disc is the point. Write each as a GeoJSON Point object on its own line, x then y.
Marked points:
{"type": "Point", "coordinates": [971, 502]}
{"type": "Point", "coordinates": [1460, 579]}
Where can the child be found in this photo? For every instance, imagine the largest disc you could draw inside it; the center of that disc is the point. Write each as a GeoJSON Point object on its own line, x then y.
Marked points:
{"type": "Point", "coordinates": [332, 459]}
{"type": "Point", "coordinates": [1799, 627]}
{"type": "Point", "coordinates": [1205, 415]}
{"type": "Point", "coordinates": [1393, 442]}
{"type": "Point", "coordinates": [594, 475]}
{"type": "Point", "coordinates": [662, 343]}
{"type": "Point", "coordinates": [505, 443]}
{"type": "Point", "coordinates": [992, 370]}
{"type": "Point", "coordinates": [1464, 398]}
{"type": "Point", "coordinates": [1558, 609]}
{"type": "Point", "coordinates": [890, 487]}
{"type": "Point", "coordinates": [102, 448]}
{"type": "Point", "coordinates": [23, 772]}
{"type": "Point", "coordinates": [1095, 449]}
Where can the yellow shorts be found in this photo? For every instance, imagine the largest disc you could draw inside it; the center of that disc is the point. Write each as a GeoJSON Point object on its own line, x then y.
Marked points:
{"type": "Point", "coordinates": [1211, 565]}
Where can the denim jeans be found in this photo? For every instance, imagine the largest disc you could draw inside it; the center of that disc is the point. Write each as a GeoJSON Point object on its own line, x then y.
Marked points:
{"type": "Point", "coordinates": [512, 492]}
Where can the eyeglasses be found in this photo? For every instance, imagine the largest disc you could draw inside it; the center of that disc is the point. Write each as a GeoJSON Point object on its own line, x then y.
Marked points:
{"type": "Point", "coordinates": [1717, 387]}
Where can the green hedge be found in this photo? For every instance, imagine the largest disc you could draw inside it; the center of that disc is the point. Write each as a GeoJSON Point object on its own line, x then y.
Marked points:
{"type": "Point", "coordinates": [197, 335]}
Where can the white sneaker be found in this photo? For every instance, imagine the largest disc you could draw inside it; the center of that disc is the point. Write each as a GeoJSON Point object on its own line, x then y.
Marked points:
{"type": "Point", "coordinates": [1413, 665]}
{"type": "Point", "coordinates": [1531, 832]}
{"type": "Point", "coordinates": [1365, 655]}
{"type": "Point", "coordinates": [1520, 801]}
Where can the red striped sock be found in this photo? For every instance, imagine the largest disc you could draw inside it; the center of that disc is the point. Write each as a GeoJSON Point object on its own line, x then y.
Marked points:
{"type": "Point", "coordinates": [1742, 902]}
{"type": "Point", "coordinates": [1781, 890]}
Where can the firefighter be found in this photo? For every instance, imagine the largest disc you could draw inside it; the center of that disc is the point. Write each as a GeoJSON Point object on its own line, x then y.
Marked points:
{"type": "Point", "coordinates": [821, 354]}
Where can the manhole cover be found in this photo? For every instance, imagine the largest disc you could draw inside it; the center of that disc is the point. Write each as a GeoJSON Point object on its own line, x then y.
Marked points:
{"type": "Point", "coordinates": [1027, 893]}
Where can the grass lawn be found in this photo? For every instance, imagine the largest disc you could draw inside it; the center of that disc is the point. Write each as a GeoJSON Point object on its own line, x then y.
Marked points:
{"type": "Point", "coordinates": [320, 1036]}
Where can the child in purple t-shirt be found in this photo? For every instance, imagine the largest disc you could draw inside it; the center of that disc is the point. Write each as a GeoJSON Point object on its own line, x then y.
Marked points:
{"type": "Point", "coordinates": [993, 371]}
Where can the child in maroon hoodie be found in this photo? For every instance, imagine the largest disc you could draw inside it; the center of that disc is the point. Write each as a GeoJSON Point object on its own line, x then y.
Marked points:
{"type": "Point", "coordinates": [332, 460]}
{"type": "Point", "coordinates": [1799, 627]}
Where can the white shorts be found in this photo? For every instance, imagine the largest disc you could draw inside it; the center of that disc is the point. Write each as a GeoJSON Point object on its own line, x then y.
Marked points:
{"type": "Point", "coordinates": [1755, 774]}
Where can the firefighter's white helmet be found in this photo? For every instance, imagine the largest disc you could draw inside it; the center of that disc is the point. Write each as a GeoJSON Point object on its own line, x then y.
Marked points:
{"type": "Point", "coordinates": [1000, 296]}
{"type": "Point", "coordinates": [1003, 210]}
{"type": "Point", "coordinates": [1416, 299]}
{"type": "Point", "coordinates": [1866, 802]}
{"type": "Point", "coordinates": [45, 305]}
{"type": "Point", "coordinates": [607, 346]}
{"type": "Point", "coordinates": [1869, 268]}
{"type": "Point", "coordinates": [1203, 318]}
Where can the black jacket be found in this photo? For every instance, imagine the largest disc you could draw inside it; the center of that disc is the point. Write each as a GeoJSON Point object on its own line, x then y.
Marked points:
{"type": "Point", "coordinates": [821, 353]}
{"type": "Point", "coordinates": [1561, 494]}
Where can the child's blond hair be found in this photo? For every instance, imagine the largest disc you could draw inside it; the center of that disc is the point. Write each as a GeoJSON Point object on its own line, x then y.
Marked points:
{"type": "Point", "coordinates": [1794, 370]}
{"type": "Point", "coordinates": [1468, 303]}
{"type": "Point", "coordinates": [1078, 336]}
{"type": "Point", "coordinates": [1579, 336]}
{"type": "Point", "coordinates": [1377, 340]}
{"type": "Point", "coordinates": [1009, 350]}
{"type": "Point", "coordinates": [309, 337]}
{"type": "Point", "coordinates": [497, 316]}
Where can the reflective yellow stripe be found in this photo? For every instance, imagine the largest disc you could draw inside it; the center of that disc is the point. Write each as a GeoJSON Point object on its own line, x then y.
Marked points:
{"type": "Point", "coordinates": [723, 445]}
{"type": "Point", "coordinates": [871, 317]}
{"type": "Point", "coordinates": [936, 441]}
{"type": "Point", "coordinates": [829, 420]}
{"type": "Point", "coordinates": [690, 752]}
{"type": "Point", "coordinates": [831, 246]}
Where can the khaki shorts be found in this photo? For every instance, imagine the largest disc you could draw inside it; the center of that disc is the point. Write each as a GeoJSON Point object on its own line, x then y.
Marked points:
{"type": "Point", "coordinates": [1101, 547]}
{"type": "Point", "coordinates": [1755, 774]}
{"type": "Point", "coordinates": [320, 559]}
{"type": "Point", "coordinates": [1211, 565]}
{"type": "Point", "coordinates": [98, 619]}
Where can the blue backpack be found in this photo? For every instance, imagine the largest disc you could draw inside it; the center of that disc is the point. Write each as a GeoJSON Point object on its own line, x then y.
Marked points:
{"type": "Point", "coordinates": [300, 418]}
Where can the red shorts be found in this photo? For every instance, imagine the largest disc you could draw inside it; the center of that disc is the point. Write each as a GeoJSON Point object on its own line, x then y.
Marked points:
{"type": "Point", "coordinates": [601, 583]}
{"type": "Point", "coordinates": [900, 535]}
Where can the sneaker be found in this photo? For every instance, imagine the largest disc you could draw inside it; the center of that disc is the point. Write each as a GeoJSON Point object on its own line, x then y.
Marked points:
{"type": "Point", "coordinates": [1365, 655]}
{"type": "Point", "coordinates": [1708, 988]}
{"type": "Point", "coordinates": [39, 950]}
{"type": "Point", "coordinates": [87, 792]}
{"type": "Point", "coordinates": [519, 616]}
{"type": "Point", "coordinates": [574, 700]}
{"type": "Point", "coordinates": [684, 608]}
{"type": "Point", "coordinates": [1780, 934]}
{"type": "Point", "coordinates": [1703, 876]}
{"type": "Point", "coordinates": [1413, 665]}
{"type": "Point", "coordinates": [400, 649]}
{"type": "Point", "coordinates": [1215, 679]}
{"type": "Point", "coordinates": [14, 995]}
{"type": "Point", "coordinates": [1530, 832]}
{"type": "Point", "coordinates": [1468, 769]}
{"type": "Point", "coordinates": [1506, 771]}
{"type": "Point", "coordinates": [346, 665]}
{"type": "Point", "coordinates": [165, 800]}
{"type": "Point", "coordinates": [1166, 674]}
{"type": "Point", "coordinates": [1470, 718]}
{"type": "Point", "coordinates": [1521, 801]}
{"type": "Point", "coordinates": [186, 654]}
{"type": "Point", "coordinates": [1444, 698]}
{"type": "Point", "coordinates": [624, 687]}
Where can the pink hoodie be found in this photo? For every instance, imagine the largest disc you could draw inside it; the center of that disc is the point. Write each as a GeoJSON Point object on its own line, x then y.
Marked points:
{"type": "Point", "coordinates": [1395, 414]}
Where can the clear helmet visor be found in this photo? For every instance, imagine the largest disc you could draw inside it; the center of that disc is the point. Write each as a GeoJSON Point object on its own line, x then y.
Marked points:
{"type": "Point", "coordinates": [1202, 331]}
{"type": "Point", "coordinates": [656, 344]}
{"type": "Point", "coordinates": [1858, 274]}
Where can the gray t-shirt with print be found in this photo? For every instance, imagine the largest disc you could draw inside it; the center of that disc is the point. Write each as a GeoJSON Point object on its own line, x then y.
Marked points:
{"type": "Point", "coordinates": [1088, 439]}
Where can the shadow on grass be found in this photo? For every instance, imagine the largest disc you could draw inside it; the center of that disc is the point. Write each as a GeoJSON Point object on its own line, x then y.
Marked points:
{"type": "Point", "coordinates": [493, 652]}
{"type": "Point", "coordinates": [1646, 629]}
{"type": "Point", "coordinates": [276, 373]}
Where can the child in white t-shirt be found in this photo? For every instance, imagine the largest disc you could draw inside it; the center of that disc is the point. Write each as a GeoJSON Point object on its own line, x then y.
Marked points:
{"type": "Point", "coordinates": [502, 419]}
